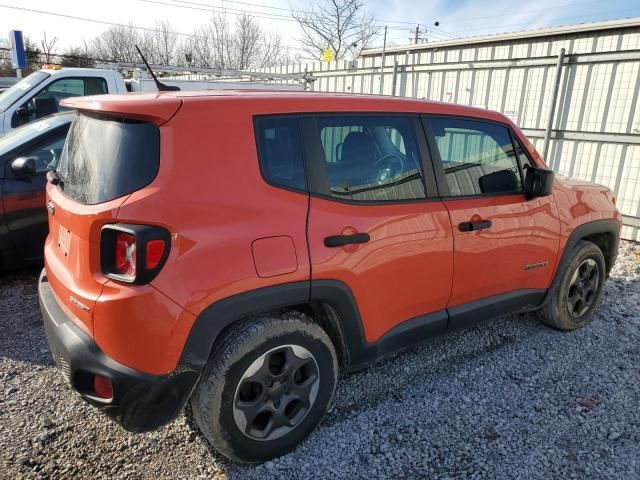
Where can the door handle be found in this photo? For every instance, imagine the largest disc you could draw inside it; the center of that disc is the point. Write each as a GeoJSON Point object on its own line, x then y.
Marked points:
{"type": "Point", "coordinates": [473, 226]}
{"type": "Point", "coordinates": [342, 240]}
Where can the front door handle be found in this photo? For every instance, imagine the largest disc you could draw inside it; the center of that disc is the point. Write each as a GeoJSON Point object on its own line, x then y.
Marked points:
{"type": "Point", "coordinates": [342, 240]}
{"type": "Point", "coordinates": [473, 226]}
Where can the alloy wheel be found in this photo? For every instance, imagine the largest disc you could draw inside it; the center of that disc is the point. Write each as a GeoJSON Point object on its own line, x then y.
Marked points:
{"type": "Point", "coordinates": [276, 392]}
{"type": "Point", "coordinates": [583, 288]}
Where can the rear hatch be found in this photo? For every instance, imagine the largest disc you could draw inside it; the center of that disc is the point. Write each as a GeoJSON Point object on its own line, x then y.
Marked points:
{"type": "Point", "coordinates": [108, 155]}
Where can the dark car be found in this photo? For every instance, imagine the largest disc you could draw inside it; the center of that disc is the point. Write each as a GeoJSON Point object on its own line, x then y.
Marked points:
{"type": "Point", "coordinates": [26, 155]}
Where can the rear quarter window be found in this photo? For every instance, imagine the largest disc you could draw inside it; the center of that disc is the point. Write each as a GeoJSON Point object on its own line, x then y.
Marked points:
{"type": "Point", "coordinates": [280, 152]}
{"type": "Point", "coordinates": [105, 158]}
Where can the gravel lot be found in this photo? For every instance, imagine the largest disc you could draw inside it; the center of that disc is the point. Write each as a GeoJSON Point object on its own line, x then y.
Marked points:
{"type": "Point", "coordinates": [508, 399]}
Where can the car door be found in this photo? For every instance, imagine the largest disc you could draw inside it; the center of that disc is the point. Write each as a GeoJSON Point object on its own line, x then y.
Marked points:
{"type": "Point", "coordinates": [375, 223]}
{"type": "Point", "coordinates": [47, 100]}
{"type": "Point", "coordinates": [24, 195]}
{"type": "Point", "coordinates": [505, 244]}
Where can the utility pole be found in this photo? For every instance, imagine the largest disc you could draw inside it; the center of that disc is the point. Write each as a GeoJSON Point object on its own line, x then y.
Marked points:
{"type": "Point", "coordinates": [384, 48]}
{"type": "Point", "coordinates": [415, 39]}
{"type": "Point", "coordinates": [552, 107]}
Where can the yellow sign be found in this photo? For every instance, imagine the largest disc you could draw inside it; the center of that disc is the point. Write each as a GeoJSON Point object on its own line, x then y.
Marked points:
{"type": "Point", "coordinates": [327, 56]}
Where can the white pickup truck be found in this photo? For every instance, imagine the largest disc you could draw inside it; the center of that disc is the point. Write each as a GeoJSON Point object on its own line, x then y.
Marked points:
{"type": "Point", "coordinates": [39, 94]}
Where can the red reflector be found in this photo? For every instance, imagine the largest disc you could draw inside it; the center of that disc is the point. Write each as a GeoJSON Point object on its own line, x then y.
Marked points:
{"type": "Point", "coordinates": [102, 387]}
{"type": "Point", "coordinates": [125, 258]}
{"type": "Point", "coordinates": [155, 251]}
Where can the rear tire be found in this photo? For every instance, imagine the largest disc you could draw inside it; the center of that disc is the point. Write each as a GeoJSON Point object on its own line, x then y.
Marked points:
{"type": "Point", "coordinates": [266, 387]}
{"type": "Point", "coordinates": [576, 290]}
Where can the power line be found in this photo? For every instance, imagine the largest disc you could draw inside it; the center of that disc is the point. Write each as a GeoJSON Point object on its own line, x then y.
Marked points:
{"type": "Point", "coordinates": [291, 10]}
{"type": "Point", "coordinates": [231, 11]}
{"type": "Point", "coordinates": [234, 11]}
{"type": "Point", "coordinates": [105, 22]}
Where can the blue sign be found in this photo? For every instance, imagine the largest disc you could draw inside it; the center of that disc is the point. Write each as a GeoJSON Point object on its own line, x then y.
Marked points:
{"type": "Point", "coordinates": [18, 56]}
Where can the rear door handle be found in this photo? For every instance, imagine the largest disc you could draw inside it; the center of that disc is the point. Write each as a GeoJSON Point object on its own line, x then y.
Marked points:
{"type": "Point", "coordinates": [473, 226]}
{"type": "Point", "coordinates": [342, 240]}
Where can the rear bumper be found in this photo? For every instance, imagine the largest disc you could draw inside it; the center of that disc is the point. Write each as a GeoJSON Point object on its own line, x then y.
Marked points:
{"type": "Point", "coordinates": [141, 402]}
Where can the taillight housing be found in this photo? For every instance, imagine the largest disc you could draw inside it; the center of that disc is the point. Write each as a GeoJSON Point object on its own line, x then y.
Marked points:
{"type": "Point", "coordinates": [133, 253]}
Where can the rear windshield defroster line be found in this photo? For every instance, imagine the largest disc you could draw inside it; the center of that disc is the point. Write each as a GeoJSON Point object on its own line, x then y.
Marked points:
{"type": "Point", "coordinates": [106, 157]}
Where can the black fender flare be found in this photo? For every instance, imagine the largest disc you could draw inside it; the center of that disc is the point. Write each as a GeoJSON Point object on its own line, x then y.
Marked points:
{"type": "Point", "coordinates": [219, 315]}
{"type": "Point", "coordinates": [339, 316]}
{"type": "Point", "coordinates": [214, 319]}
{"type": "Point", "coordinates": [607, 226]}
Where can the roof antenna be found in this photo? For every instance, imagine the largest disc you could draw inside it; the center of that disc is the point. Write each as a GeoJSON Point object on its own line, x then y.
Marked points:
{"type": "Point", "coordinates": [161, 86]}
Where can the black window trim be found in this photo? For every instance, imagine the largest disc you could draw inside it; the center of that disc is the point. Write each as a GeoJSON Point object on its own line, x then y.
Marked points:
{"type": "Point", "coordinates": [517, 142]}
{"type": "Point", "coordinates": [259, 153]}
{"type": "Point", "coordinates": [443, 187]}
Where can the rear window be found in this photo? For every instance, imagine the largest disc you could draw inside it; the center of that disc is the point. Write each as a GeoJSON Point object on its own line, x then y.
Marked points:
{"type": "Point", "coordinates": [105, 158]}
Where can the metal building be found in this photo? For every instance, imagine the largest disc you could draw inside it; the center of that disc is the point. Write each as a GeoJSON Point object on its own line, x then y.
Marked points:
{"type": "Point", "coordinates": [595, 123]}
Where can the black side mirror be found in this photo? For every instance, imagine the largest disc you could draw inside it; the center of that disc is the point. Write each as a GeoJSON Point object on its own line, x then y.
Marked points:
{"type": "Point", "coordinates": [21, 116]}
{"type": "Point", "coordinates": [23, 111]}
{"type": "Point", "coordinates": [538, 182]}
{"type": "Point", "coordinates": [24, 166]}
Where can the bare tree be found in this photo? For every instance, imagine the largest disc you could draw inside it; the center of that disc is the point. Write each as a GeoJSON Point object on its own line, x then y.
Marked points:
{"type": "Point", "coordinates": [340, 25]}
{"type": "Point", "coordinates": [200, 46]}
{"type": "Point", "coordinates": [165, 40]}
{"type": "Point", "coordinates": [76, 57]}
{"type": "Point", "coordinates": [118, 44]}
{"type": "Point", "coordinates": [216, 44]}
{"type": "Point", "coordinates": [48, 47]}
{"type": "Point", "coordinates": [272, 51]}
{"type": "Point", "coordinates": [222, 41]}
{"type": "Point", "coordinates": [245, 44]}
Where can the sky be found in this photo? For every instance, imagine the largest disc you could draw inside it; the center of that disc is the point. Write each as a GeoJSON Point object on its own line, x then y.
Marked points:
{"type": "Point", "coordinates": [457, 18]}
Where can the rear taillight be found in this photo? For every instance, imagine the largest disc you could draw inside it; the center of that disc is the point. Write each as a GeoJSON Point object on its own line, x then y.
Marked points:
{"type": "Point", "coordinates": [125, 261]}
{"type": "Point", "coordinates": [133, 253]}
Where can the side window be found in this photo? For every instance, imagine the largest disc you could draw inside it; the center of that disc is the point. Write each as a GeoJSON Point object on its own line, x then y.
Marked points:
{"type": "Point", "coordinates": [280, 151]}
{"type": "Point", "coordinates": [371, 158]}
{"type": "Point", "coordinates": [47, 101]}
{"type": "Point", "coordinates": [477, 157]}
{"type": "Point", "coordinates": [47, 155]}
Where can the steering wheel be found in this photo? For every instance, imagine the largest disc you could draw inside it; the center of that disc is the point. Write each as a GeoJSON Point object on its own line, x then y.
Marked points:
{"type": "Point", "coordinates": [385, 167]}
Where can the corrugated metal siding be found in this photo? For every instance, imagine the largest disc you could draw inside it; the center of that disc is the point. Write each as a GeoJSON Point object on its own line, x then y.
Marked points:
{"type": "Point", "coordinates": [596, 129]}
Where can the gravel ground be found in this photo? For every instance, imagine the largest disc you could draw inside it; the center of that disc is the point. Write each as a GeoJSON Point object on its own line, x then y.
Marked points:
{"type": "Point", "coordinates": [507, 399]}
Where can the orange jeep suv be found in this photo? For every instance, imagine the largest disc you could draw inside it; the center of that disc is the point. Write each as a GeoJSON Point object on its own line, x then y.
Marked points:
{"type": "Point", "coordinates": [236, 250]}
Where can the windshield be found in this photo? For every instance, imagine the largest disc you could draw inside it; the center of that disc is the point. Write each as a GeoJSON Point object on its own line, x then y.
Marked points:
{"type": "Point", "coordinates": [11, 95]}
{"type": "Point", "coordinates": [105, 158]}
{"type": "Point", "coordinates": [22, 135]}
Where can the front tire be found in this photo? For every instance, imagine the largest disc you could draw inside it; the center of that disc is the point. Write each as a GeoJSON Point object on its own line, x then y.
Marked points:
{"type": "Point", "coordinates": [576, 290]}
{"type": "Point", "coordinates": [266, 387]}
